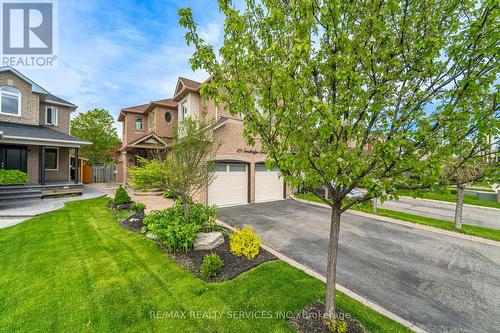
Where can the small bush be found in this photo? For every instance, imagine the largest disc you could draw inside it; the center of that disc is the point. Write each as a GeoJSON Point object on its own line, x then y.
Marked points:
{"type": "Point", "coordinates": [336, 325]}
{"type": "Point", "coordinates": [13, 177]}
{"type": "Point", "coordinates": [149, 175]}
{"type": "Point", "coordinates": [121, 196]}
{"type": "Point", "coordinates": [245, 242]}
{"type": "Point", "coordinates": [170, 226]}
{"type": "Point", "coordinates": [137, 207]}
{"type": "Point", "coordinates": [211, 266]}
{"type": "Point", "coordinates": [169, 195]}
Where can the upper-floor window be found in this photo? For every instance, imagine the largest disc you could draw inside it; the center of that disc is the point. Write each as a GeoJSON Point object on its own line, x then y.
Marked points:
{"type": "Point", "coordinates": [138, 123]}
{"type": "Point", "coordinates": [10, 101]}
{"type": "Point", "coordinates": [51, 115]}
{"type": "Point", "coordinates": [184, 110]}
{"type": "Point", "coordinates": [168, 117]}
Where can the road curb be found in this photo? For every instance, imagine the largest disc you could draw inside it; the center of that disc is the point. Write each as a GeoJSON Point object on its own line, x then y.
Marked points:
{"type": "Point", "coordinates": [412, 225]}
{"type": "Point", "coordinates": [339, 287]}
{"type": "Point", "coordinates": [449, 203]}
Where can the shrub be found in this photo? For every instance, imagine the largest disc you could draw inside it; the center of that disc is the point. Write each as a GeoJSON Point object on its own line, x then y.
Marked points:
{"type": "Point", "coordinates": [169, 195]}
{"type": "Point", "coordinates": [121, 196]}
{"type": "Point", "coordinates": [170, 226]}
{"type": "Point", "coordinates": [211, 266]}
{"type": "Point", "coordinates": [336, 325]}
{"type": "Point", "coordinates": [150, 175]}
{"type": "Point", "coordinates": [203, 215]}
{"type": "Point", "coordinates": [137, 207]}
{"type": "Point", "coordinates": [244, 242]}
{"type": "Point", "coordinates": [13, 177]}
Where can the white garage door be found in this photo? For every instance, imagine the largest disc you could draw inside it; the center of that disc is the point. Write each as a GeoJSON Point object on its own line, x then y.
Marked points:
{"type": "Point", "coordinates": [268, 185]}
{"type": "Point", "coordinates": [230, 186]}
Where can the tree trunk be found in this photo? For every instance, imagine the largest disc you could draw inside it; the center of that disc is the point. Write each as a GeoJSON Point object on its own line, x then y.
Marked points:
{"type": "Point", "coordinates": [459, 207]}
{"type": "Point", "coordinates": [185, 204]}
{"type": "Point", "coordinates": [374, 207]}
{"type": "Point", "coordinates": [331, 270]}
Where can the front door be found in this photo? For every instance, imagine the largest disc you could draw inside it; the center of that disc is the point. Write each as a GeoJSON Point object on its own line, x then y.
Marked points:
{"type": "Point", "coordinates": [13, 158]}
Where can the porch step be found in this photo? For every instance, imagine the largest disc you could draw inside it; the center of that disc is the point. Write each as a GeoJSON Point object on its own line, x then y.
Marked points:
{"type": "Point", "coordinates": [21, 196]}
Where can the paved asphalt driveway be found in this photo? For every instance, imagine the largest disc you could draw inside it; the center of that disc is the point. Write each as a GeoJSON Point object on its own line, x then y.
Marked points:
{"type": "Point", "coordinates": [481, 216]}
{"type": "Point", "coordinates": [438, 282]}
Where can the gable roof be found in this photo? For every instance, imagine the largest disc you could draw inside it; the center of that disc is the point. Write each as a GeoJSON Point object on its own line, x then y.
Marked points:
{"type": "Point", "coordinates": [50, 98]}
{"type": "Point", "coordinates": [184, 84]}
{"type": "Point", "coordinates": [149, 139]}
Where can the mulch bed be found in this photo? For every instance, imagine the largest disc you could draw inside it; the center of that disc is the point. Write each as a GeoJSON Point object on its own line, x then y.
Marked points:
{"type": "Point", "coordinates": [233, 265]}
{"type": "Point", "coordinates": [313, 320]}
{"type": "Point", "coordinates": [133, 222]}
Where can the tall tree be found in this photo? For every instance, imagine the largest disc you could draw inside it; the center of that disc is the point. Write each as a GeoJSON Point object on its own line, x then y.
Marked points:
{"type": "Point", "coordinates": [98, 127]}
{"type": "Point", "coordinates": [347, 94]}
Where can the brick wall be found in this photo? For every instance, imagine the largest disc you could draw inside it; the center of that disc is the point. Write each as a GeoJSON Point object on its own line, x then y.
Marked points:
{"type": "Point", "coordinates": [63, 117]}
{"type": "Point", "coordinates": [30, 110]}
{"type": "Point", "coordinates": [62, 174]}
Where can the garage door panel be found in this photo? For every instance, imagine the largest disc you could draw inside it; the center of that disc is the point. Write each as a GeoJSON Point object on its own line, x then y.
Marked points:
{"type": "Point", "coordinates": [230, 186]}
{"type": "Point", "coordinates": [268, 184]}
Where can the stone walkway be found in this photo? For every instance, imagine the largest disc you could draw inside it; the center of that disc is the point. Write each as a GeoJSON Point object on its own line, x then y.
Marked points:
{"type": "Point", "coordinates": [14, 212]}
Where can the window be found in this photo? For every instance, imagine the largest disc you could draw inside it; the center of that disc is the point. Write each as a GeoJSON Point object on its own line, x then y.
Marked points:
{"type": "Point", "coordinates": [138, 123]}
{"type": "Point", "coordinates": [51, 159]}
{"type": "Point", "coordinates": [168, 117]}
{"type": "Point", "coordinates": [237, 168]}
{"type": "Point", "coordinates": [184, 110]}
{"type": "Point", "coordinates": [51, 115]}
{"type": "Point", "coordinates": [10, 101]}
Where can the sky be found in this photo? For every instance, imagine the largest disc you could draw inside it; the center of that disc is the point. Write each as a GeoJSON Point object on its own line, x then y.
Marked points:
{"type": "Point", "coordinates": [120, 53]}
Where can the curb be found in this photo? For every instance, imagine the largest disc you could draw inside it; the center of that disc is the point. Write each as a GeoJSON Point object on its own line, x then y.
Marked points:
{"type": "Point", "coordinates": [413, 225]}
{"type": "Point", "coordinates": [338, 287]}
{"type": "Point", "coordinates": [450, 203]}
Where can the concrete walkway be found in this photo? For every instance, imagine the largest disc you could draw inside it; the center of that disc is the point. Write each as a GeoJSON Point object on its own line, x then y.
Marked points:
{"type": "Point", "coordinates": [12, 213]}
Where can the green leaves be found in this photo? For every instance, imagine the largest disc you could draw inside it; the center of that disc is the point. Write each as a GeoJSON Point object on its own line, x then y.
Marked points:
{"type": "Point", "coordinates": [96, 126]}
{"type": "Point", "coordinates": [378, 95]}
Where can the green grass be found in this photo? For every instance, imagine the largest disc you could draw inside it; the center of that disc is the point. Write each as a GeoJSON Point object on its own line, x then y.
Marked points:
{"type": "Point", "coordinates": [122, 213]}
{"type": "Point", "coordinates": [437, 223]}
{"type": "Point", "coordinates": [446, 195]}
{"type": "Point", "coordinates": [76, 270]}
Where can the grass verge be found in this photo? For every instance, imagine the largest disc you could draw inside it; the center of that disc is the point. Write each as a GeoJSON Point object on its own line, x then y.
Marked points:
{"type": "Point", "coordinates": [467, 229]}
{"type": "Point", "coordinates": [76, 269]}
{"type": "Point", "coordinates": [447, 195]}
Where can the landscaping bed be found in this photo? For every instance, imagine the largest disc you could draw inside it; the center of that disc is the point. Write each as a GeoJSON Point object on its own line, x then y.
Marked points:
{"type": "Point", "coordinates": [233, 265]}
{"type": "Point", "coordinates": [313, 320]}
{"type": "Point", "coordinates": [133, 222]}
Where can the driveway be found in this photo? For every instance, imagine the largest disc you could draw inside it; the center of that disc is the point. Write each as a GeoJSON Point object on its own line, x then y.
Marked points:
{"type": "Point", "coordinates": [476, 215]}
{"type": "Point", "coordinates": [438, 282]}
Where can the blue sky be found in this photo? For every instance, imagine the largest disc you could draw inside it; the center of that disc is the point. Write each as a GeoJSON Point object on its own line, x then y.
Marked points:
{"type": "Point", "coordinates": [114, 54]}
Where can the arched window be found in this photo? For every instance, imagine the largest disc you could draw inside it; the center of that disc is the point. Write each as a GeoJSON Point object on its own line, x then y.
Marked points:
{"type": "Point", "coordinates": [10, 101]}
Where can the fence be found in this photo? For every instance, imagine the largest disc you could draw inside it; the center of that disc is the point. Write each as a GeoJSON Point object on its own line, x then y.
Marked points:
{"type": "Point", "coordinates": [103, 173]}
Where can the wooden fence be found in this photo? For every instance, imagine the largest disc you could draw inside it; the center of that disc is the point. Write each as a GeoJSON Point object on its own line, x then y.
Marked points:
{"type": "Point", "coordinates": [103, 173]}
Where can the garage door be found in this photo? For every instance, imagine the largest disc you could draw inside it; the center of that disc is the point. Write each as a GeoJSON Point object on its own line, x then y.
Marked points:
{"type": "Point", "coordinates": [230, 186]}
{"type": "Point", "coordinates": [268, 185]}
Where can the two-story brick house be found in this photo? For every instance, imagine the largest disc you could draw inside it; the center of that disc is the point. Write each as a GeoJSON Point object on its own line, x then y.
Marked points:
{"type": "Point", "coordinates": [241, 175]}
{"type": "Point", "coordinates": [34, 131]}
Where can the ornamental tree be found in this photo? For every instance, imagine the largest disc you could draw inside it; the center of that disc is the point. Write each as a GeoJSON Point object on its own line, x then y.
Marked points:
{"type": "Point", "coordinates": [189, 163]}
{"type": "Point", "coordinates": [476, 145]}
{"type": "Point", "coordinates": [347, 94]}
{"type": "Point", "coordinates": [98, 127]}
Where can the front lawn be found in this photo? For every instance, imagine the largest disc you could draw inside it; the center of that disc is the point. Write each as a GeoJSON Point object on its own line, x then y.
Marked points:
{"type": "Point", "coordinates": [467, 229]}
{"type": "Point", "coordinates": [76, 269]}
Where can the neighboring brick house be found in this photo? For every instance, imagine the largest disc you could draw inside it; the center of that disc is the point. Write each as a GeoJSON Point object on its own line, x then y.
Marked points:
{"type": "Point", "coordinates": [241, 174]}
{"type": "Point", "coordinates": [34, 131]}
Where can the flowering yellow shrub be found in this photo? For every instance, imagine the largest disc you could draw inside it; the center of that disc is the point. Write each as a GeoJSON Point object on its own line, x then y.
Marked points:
{"type": "Point", "coordinates": [245, 242]}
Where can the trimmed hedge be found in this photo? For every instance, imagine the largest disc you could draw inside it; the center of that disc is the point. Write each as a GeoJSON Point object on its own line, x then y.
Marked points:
{"type": "Point", "coordinates": [13, 177]}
